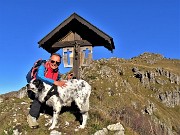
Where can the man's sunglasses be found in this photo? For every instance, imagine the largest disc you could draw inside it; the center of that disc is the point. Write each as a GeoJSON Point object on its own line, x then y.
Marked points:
{"type": "Point", "coordinates": [57, 63]}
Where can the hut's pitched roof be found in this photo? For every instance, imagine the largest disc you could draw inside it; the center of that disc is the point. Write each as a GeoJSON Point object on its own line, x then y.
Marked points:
{"type": "Point", "coordinates": [85, 30]}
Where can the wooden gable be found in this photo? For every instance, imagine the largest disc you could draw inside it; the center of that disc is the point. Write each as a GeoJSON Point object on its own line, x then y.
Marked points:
{"type": "Point", "coordinates": [75, 29]}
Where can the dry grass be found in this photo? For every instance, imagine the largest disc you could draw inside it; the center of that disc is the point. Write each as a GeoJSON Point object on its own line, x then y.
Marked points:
{"type": "Point", "coordinates": [109, 104]}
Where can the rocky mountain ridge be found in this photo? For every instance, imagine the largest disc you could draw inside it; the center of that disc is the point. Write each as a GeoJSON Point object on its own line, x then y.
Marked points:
{"type": "Point", "coordinates": [141, 93]}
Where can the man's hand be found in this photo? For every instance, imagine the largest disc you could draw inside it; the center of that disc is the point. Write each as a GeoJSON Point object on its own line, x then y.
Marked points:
{"type": "Point", "coordinates": [60, 83]}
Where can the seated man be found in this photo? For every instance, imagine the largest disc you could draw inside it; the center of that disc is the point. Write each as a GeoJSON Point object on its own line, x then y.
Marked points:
{"type": "Point", "coordinates": [48, 73]}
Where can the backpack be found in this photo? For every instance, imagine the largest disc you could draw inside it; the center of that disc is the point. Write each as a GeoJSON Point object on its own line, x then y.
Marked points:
{"type": "Point", "coordinates": [32, 73]}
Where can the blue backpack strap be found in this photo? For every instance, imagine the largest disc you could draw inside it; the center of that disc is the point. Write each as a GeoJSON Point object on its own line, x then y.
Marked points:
{"type": "Point", "coordinates": [32, 73]}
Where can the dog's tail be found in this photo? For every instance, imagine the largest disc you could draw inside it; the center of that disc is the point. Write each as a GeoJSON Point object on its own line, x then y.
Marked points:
{"type": "Point", "coordinates": [86, 86]}
{"type": "Point", "coordinates": [87, 89]}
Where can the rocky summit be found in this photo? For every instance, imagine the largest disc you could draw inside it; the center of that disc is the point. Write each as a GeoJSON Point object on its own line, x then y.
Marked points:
{"type": "Point", "coordinates": [137, 96]}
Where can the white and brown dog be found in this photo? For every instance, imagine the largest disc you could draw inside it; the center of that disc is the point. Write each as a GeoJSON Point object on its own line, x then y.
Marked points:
{"type": "Point", "coordinates": [77, 91]}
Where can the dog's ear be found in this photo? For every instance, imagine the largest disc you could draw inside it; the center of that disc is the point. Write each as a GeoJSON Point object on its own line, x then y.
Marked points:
{"type": "Point", "coordinates": [38, 84]}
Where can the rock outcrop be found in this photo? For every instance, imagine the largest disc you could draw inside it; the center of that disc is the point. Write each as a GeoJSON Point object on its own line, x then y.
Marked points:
{"type": "Point", "coordinates": [115, 129]}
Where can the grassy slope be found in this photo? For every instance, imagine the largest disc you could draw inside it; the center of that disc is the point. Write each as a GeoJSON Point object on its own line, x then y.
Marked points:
{"type": "Point", "coordinates": [112, 100]}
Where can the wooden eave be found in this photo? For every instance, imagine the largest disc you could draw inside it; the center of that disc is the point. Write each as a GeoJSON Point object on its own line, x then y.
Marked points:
{"type": "Point", "coordinates": [88, 32]}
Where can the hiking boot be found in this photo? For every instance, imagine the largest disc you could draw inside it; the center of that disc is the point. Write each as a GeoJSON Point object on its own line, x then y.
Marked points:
{"type": "Point", "coordinates": [32, 122]}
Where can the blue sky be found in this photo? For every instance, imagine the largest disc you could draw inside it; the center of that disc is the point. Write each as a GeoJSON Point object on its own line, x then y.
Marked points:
{"type": "Point", "coordinates": [136, 26]}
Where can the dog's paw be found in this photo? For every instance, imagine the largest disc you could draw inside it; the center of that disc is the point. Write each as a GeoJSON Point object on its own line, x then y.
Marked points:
{"type": "Point", "coordinates": [81, 127]}
{"type": "Point", "coordinates": [76, 129]}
